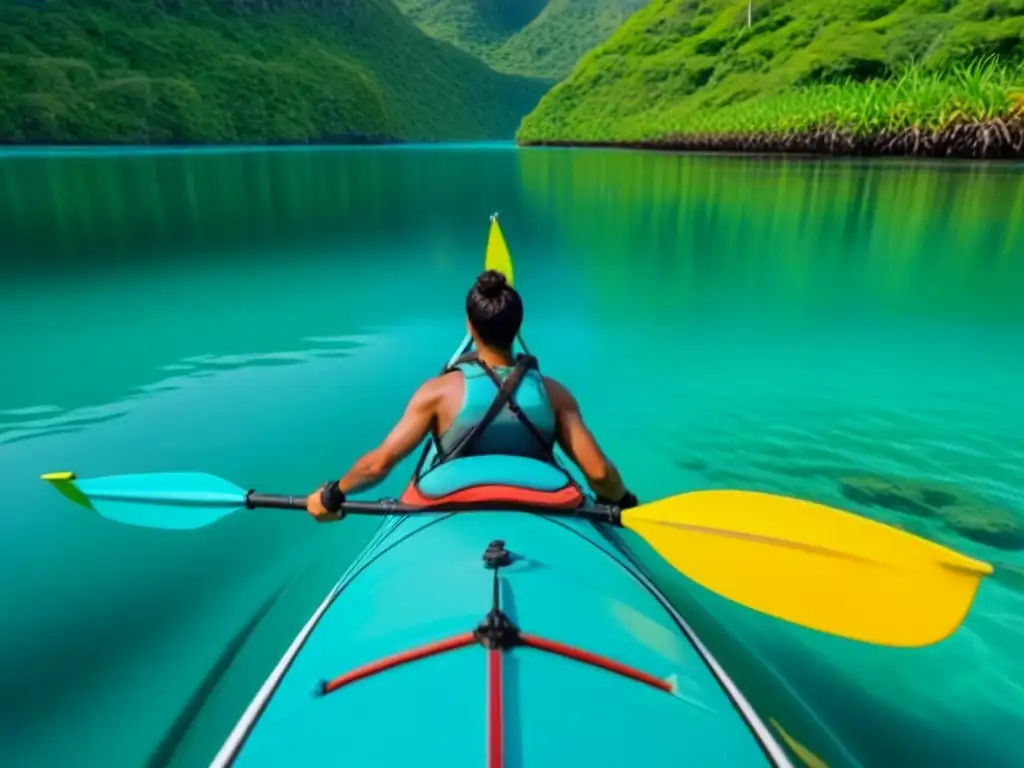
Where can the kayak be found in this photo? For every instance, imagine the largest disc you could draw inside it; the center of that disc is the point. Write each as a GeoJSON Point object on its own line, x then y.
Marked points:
{"type": "Point", "coordinates": [501, 638]}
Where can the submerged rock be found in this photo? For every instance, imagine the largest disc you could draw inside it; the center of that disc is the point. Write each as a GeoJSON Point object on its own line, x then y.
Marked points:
{"type": "Point", "coordinates": [967, 515]}
{"type": "Point", "coordinates": [692, 465]}
{"type": "Point", "coordinates": [899, 496]}
{"type": "Point", "coordinates": [985, 524]}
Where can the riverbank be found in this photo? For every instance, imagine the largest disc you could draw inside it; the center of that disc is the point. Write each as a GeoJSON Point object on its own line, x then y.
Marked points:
{"type": "Point", "coordinates": [973, 111]}
{"type": "Point", "coordinates": [799, 76]}
{"type": "Point", "coordinates": [993, 140]}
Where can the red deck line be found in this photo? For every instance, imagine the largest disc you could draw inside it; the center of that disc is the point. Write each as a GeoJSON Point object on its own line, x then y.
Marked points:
{"type": "Point", "coordinates": [593, 659]}
{"type": "Point", "coordinates": [495, 718]}
{"type": "Point", "coordinates": [389, 662]}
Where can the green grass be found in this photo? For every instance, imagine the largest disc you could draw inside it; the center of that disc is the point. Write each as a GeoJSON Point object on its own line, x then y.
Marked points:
{"type": "Point", "coordinates": [537, 38]}
{"type": "Point", "coordinates": [119, 71]}
{"type": "Point", "coordinates": [976, 92]}
{"type": "Point", "coordinates": [681, 66]}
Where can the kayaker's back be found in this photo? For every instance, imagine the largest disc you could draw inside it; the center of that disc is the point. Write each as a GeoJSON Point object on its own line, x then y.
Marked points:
{"type": "Point", "coordinates": [506, 434]}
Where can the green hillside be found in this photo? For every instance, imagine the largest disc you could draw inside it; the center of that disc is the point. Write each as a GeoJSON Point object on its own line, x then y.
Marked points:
{"type": "Point", "coordinates": [693, 67]}
{"type": "Point", "coordinates": [222, 71]}
{"type": "Point", "coordinates": [538, 38]}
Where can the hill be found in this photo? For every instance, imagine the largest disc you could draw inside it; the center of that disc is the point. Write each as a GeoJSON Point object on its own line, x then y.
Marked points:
{"type": "Point", "coordinates": [538, 38]}
{"type": "Point", "coordinates": [253, 71]}
{"type": "Point", "coordinates": [688, 72]}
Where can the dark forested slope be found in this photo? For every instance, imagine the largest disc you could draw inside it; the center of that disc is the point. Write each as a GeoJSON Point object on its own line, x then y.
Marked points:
{"type": "Point", "coordinates": [540, 38]}
{"type": "Point", "coordinates": [693, 68]}
{"type": "Point", "coordinates": [241, 71]}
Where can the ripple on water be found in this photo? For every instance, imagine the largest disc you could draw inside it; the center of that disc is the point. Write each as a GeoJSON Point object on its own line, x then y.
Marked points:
{"type": "Point", "coordinates": [21, 424]}
{"type": "Point", "coordinates": [30, 412]}
{"type": "Point", "coordinates": [262, 359]}
{"type": "Point", "coordinates": [70, 421]}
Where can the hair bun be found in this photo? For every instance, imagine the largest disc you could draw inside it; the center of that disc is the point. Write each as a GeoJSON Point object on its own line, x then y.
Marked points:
{"type": "Point", "coordinates": [491, 284]}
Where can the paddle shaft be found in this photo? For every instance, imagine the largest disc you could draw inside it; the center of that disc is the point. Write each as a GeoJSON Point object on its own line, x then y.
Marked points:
{"type": "Point", "coordinates": [596, 512]}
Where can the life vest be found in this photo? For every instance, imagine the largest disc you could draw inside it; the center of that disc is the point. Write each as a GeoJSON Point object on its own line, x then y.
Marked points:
{"type": "Point", "coordinates": [500, 447]}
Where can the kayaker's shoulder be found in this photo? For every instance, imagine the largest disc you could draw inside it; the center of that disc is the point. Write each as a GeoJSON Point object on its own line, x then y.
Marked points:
{"type": "Point", "coordinates": [438, 387]}
{"type": "Point", "coordinates": [561, 398]}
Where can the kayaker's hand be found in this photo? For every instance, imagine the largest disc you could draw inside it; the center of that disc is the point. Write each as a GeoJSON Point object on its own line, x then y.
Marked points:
{"type": "Point", "coordinates": [316, 508]}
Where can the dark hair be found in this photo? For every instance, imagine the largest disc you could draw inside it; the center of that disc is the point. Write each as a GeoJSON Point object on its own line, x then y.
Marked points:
{"type": "Point", "coordinates": [495, 310]}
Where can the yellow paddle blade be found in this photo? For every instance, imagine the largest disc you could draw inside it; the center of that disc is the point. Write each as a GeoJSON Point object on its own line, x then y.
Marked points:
{"type": "Point", "coordinates": [498, 257]}
{"type": "Point", "coordinates": [813, 565]}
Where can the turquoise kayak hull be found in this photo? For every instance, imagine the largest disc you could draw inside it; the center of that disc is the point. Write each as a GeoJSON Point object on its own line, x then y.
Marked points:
{"type": "Point", "coordinates": [422, 580]}
{"type": "Point", "coordinates": [603, 671]}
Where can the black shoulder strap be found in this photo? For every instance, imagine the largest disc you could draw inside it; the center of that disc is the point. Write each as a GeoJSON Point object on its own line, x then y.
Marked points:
{"type": "Point", "coordinates": [469, 357]}
{"type": "Point", "coordinates": [547, 446]}
{"type": "Point", "coordinates": [505, 392]}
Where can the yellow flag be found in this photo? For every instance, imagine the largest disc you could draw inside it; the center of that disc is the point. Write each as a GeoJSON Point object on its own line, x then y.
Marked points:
{"type": "Point", "coordinates": [498, 257]}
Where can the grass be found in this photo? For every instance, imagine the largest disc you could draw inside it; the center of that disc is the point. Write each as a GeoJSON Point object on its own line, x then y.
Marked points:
{"type": "Point", "coordinates": [125, 72]}
{"type": "Point", "coordinates": [693, 66]}
{"type": "Point", "coordinates": [536, 38]}
{"type": "Point", "coordinates": [981, 91]}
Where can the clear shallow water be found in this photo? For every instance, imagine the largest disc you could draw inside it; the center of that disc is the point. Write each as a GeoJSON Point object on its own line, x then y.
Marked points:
{"type": "Point", "coordinates": [264, 315]}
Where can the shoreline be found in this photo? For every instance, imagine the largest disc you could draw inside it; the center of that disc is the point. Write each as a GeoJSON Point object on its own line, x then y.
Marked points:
{"type": "Point", "coordinates": [996, 139]}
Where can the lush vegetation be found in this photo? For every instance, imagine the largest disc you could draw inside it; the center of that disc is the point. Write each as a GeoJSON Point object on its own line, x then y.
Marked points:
{"type": "Point", "coordinates": [220, 71]}
{"type": "Point", "coordinates": [539, 38]}
{"type": "Point", "coordinates": [981, 91]}
{"type": "Point", "coordinates": [690, 67]}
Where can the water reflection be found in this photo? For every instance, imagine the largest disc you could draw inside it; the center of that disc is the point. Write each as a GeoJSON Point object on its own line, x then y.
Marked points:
{"type": "Point", "coordinates": [798, 238]}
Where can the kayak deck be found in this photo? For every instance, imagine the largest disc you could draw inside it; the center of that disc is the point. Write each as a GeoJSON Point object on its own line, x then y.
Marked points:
{"type": "Point", "coordinates": [609, 674]}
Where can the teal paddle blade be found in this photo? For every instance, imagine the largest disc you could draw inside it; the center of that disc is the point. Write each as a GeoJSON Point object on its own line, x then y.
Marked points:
{"type": "Point", "coordinates": [169, 500]}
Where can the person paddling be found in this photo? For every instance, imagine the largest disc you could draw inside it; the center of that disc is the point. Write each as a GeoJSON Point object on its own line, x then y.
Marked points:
{"type": "Point", "coordinates": [488, 403]}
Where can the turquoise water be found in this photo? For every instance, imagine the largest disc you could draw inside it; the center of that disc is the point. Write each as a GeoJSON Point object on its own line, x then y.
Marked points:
{"type": "Point", "coordinates": [724, 322]}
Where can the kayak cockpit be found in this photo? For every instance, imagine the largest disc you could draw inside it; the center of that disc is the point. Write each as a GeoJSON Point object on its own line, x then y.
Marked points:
{"type": "Point", "coordinates": [494, 480]}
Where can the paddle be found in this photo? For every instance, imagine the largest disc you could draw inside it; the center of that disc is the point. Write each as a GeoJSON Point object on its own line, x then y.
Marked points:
{"type": "Point", "coordinates": [802, 562]}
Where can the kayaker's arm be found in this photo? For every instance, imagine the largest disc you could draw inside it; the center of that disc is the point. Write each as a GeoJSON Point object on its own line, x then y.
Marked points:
{"type": "Point", "coordinates": [374, 466]}
{"type": "Point", "coordinates": [402, 440]}
{"type": "Point", "coordinates": [579, 444]}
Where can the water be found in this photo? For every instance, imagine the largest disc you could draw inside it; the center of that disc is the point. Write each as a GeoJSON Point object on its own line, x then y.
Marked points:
{"type": "Point", "coordinates": [725, 322]}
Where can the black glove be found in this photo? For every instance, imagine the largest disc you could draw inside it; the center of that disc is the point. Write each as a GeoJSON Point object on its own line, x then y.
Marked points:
{"type": "Point", "coordinates": [332, 497]}
{"type": "Point", "coordinates": [628, 500]}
